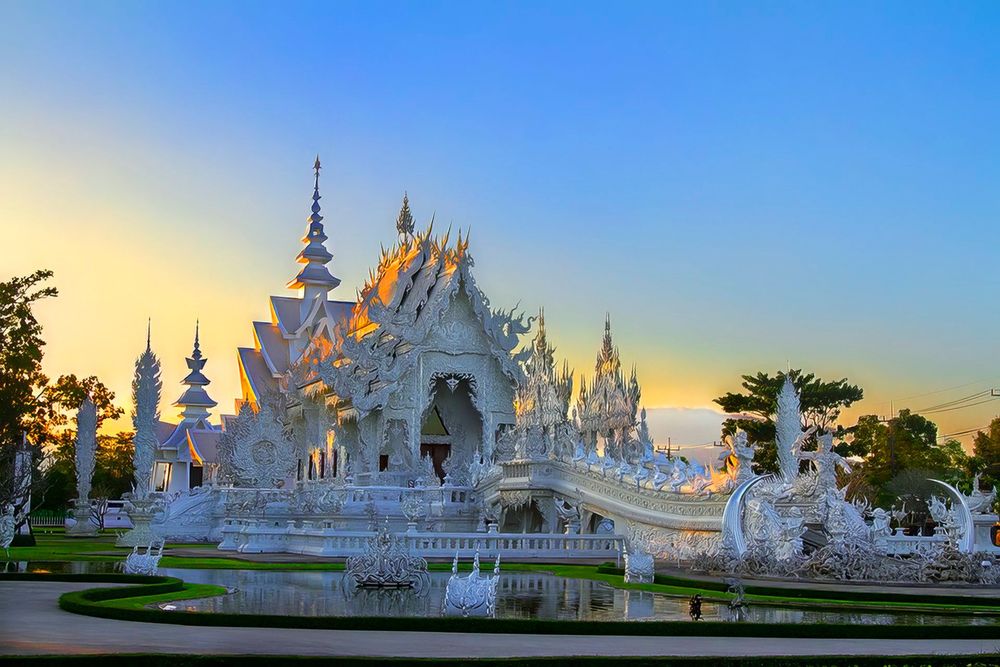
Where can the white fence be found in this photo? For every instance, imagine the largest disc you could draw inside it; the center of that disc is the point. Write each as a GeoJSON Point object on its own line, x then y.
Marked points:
{"type": "Point", "coordinates": [270, 536]}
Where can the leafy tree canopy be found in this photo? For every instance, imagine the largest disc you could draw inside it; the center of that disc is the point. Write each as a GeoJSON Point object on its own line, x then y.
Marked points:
{"type": "Point", "coordinates": [21, 377]}
{"type": "Point", "coordinates": [820, 401]}
{"type": "Point", "coordinates": [986, 453]}
{"type": "Point", "coordinates": [907, 442]}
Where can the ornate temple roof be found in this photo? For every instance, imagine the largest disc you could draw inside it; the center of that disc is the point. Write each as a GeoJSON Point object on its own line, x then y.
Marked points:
{"type": "Point", "coordinates": [358, 350]}
{"type": "Point", "coordinates": [400, 303]}
{"type": "Point", "coordinates": [295, 320]}
{"type": "Point", "coordinates": [202, 445]}
{"type": "Point", "coordinates": [543, 399]}
{"type": "Point", "coordinates": [611, 402]}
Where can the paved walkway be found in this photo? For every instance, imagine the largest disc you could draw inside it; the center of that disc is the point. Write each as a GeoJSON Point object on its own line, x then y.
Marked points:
{"type": "Point", "coordinates": [34, 624]}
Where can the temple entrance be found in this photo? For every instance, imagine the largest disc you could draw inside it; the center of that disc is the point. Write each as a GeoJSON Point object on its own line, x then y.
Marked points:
{"type": "Point", "coordinates": [452, 427]}
{"type": "Point", "coordinates": [435, 440]}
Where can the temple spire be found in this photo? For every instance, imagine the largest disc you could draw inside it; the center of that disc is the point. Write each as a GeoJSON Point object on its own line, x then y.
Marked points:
{"type": "Point", "coordinates": [608, 360]}
{"type": "Point", "coordinates": [195, 401]}
{"type": "Point", "coordinates": [314, 278]}
{"type": "Point", "coordinates": [404, 221]}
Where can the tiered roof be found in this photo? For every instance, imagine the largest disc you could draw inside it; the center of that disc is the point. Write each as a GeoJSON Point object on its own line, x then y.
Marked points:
{"type": "Point", "coordinates": [611, 402]}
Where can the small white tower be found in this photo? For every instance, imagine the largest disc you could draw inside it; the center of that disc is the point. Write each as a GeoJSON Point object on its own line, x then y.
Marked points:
{"type": "Point", "coordinates": [195, 401]}
{"type": "Point", "coordinates": [315, 280]}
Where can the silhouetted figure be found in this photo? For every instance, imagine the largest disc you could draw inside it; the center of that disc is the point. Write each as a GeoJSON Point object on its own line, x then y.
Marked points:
{"type": "Point", "coordinates": [694, 607]}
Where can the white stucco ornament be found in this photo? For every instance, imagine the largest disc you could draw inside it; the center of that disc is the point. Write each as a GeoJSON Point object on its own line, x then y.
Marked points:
{"type": "Point", "coordinates": [254, 451]}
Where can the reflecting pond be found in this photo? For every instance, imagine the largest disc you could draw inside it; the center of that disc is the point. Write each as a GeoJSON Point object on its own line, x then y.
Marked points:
{"type": "Point", "coordinates": [519, 595]}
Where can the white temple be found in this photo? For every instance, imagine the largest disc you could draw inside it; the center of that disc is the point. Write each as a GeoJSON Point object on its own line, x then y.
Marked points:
{"type": "Point", "coordinates": [420, 403]}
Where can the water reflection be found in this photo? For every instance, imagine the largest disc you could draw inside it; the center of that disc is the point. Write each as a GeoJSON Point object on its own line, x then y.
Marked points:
{"type": "Point", "coordinates": [519, 595]}
{"type": "Point", "coordinates": [62, 567]}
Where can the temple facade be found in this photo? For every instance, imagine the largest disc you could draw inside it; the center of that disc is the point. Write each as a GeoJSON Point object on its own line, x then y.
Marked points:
{"type": "Point", "coordinates": [421, 405]}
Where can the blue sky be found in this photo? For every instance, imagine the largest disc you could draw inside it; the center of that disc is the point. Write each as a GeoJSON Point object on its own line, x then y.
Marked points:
{"type": "Point", "coordinates": [740, 185]}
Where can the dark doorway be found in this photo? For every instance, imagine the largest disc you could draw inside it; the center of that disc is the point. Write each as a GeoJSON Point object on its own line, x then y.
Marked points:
{"type": "Point", "coordinates": [435, 441]}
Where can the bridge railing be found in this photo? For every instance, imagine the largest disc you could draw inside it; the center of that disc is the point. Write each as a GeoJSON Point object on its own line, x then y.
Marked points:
{"type": "Point", "coordinates": [277, 536]}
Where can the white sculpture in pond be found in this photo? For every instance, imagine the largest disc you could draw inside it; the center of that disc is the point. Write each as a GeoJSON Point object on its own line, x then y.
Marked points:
{"type": "Point", "coordinates": [146, 563]}
{"type": "Point", "coordinates": [639, 568]}
{"type": "Point", "coordinates": [472, 595]}
{"type": "Point", "coordinates": [386, 563]}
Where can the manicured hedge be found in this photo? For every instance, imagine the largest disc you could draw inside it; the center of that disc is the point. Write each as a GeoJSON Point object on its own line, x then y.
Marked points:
{"type": "Point", "coordinates": [802, 590]}
{"type": "Point", "coordinates": [182, 660]}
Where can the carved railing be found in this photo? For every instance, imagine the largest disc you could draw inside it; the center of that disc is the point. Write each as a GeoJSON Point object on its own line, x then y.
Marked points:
{"type": "Point", "coordinates": [607, 495]}
{"type": "Point", "coordinates": [283, 536]}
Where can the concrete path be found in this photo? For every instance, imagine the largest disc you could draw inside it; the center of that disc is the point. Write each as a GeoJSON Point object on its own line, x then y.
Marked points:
{"type": "Point", "coordinates": [32, 623]}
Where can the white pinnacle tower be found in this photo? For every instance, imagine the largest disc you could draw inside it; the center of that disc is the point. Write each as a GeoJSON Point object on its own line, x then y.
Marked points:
{"type": "Point", "coordinates": [788, 425]}
{"type": "Point", "coordinates": [146, 388]}
{"type": "Point", "coordinates": [314, 279]}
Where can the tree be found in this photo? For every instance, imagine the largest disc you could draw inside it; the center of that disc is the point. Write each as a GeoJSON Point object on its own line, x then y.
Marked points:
{"type": "Point", "coordinates": [21, 384]}
{"type": "Point", "coordinates": [21, 377]}
{"type": "Point", "coordinates": [986, 454]}
{"type": "Point", "coordinates": [905, 443]}
{"type": "Point", "coordinates": [32, 406]}
{"type": "Point", "coordinates": [820, 403]}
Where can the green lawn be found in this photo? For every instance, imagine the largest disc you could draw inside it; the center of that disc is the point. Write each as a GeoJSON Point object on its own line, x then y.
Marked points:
{"type": "Point", "coordinates": [190, 592]}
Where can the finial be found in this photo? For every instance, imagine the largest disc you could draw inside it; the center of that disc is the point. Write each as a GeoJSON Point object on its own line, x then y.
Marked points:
{"type": "Point", "coordinates": [404, 221]}
{"type": "Point", "coordinates": [197, 348]}
{"type": "Point", "coordinates": [149, 327]}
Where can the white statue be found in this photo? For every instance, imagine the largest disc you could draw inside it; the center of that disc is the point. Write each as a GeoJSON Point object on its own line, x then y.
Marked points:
{"type": "Point", "coordinates": [569, 513]}
{"type": "Point", "coordinates": [979, 502]}
{"type": "Point", "coordinates": [740, 457]}
{"type": "Point", "coordinates": [86, 447]}
{"type": "Point", "coordinates": [7, 530]}
{"type": "Point", "coordinates": [472, 595]}
{"type": "Point", "coordinates": [639, 566]}
{"type": "Point", "coordinates": [826, 461]}
{"type": "Point", "coordinates": [880, 526]}
{"type": "Point", "coordinates": [146, 563]}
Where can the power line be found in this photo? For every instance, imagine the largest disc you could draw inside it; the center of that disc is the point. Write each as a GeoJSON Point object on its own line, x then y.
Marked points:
{"type": "Point", "coordinates": [956, 401]}
{"type": "Point", "coordinates": [941, 391]}
{"type": "Point", "coordinates": [958, 407]}
{"type": "Point", "coordinates": [957, 434]}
